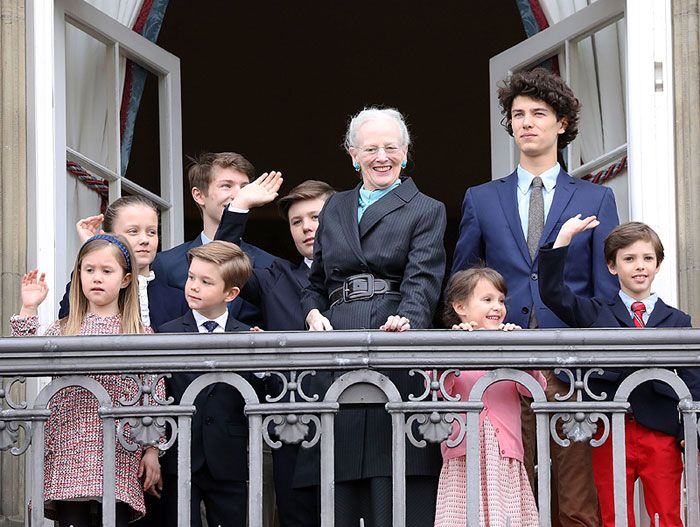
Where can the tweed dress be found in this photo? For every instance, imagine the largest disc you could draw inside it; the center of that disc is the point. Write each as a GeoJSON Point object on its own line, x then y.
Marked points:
{"type": "Point", "coordinates": [73, 440]}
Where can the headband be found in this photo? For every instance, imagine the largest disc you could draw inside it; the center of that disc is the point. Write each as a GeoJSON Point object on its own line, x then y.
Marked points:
{"type": "Point", "coordinates": [111, 239]}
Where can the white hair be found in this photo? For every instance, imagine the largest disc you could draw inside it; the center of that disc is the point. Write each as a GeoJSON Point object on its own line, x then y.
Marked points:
{"type": "Point", "coordinates": [375, 114]}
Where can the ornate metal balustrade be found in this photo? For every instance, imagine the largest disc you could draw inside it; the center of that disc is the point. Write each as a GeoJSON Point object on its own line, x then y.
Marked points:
{"type": "Point", "coordinates": [360, 360]}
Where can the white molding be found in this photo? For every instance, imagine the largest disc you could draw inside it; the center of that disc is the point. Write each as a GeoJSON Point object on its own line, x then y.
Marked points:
{"type": "Point", "coordinates": [543, 45]}
{"type": "Point", "coordinates": [44, 214]}
{"type": "Point", "coordinates": [652, 186]}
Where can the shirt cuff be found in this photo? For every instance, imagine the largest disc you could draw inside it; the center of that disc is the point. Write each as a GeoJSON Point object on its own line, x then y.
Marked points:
{"type": "Point", "coordinates": [231, 208]}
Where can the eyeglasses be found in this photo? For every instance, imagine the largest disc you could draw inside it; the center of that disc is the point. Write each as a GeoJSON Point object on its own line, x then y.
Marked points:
{"type": "Point", "coordinates": [372, 150]}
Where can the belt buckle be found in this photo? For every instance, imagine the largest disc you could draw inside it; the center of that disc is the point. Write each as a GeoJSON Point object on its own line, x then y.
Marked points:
{"type": "Point", "coordinates": [350, 295]}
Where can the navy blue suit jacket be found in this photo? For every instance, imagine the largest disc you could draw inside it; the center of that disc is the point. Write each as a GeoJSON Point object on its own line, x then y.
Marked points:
{"type": "Point", "coordinates": [653, 403]}
{"type": "Point", "coordinates": [275, 289]}
{"type": "Point", "coordinates": [219, 426]}
{"type": "Point", "coordinates": [165, 303]}
{"type": "Point", "coordinates": [491, 233]}
{"type": "Point", "coordinates": [172, 266]}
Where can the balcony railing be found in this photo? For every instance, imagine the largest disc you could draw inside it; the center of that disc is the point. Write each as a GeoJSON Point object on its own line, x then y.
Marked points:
{"type": "Point", "coordinates": [363, 356]}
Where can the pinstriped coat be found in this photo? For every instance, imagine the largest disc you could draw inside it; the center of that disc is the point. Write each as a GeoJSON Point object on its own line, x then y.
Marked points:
{"type": "Point", "coordinates": [400, 237]}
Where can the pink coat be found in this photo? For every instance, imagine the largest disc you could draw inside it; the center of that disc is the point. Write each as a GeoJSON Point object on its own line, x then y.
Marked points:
{"type": "Point", "coordinates": [501, 405]}
{"type": "Point", "coordinates": [73, 444]}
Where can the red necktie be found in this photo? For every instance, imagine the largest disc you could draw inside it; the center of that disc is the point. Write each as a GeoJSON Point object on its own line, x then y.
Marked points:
{"type": "Point", "coordinates": [638, 308]}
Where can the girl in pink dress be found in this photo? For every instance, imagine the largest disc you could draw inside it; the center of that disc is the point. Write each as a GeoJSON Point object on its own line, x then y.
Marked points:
{"type": "Point", "coordinates": [104, 301]}
{"type": "Point", "coordinates": [476, 300]}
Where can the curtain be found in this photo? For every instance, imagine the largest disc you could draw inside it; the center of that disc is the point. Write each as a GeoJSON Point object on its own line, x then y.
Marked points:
{"type": "Point", "coordinates": [600, 85]}
{"type": "Point", "coordinates": [601, 71]}
{"type": "Point", "coordinates": [86, 109]}
{"type": "Point", "coordinates": [87, 92]}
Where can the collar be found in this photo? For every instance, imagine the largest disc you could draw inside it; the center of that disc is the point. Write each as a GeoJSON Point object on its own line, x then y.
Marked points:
{"type": "Point", "coordinates": [367, 197]}
{"type": "Point", "coordinates": [205, 239]}
{"type": "Point", "coordinates": [308, 262]}
{"type": "Point", "coordinates": [649, 302]}
{"type": "Point", "coordinates": [221, 319]}
{"type": "Point", "coordinates": [549, 178]}
{"type": "Point", "coordinates": [143, 280]}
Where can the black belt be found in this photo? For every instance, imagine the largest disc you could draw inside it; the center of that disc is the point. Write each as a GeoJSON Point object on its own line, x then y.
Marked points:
{"type": "Point", "coordinates": [362, 287]}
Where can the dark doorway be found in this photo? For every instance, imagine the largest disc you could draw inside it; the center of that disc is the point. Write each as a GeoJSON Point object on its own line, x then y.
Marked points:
{"type": "Point", "coordinates": [277, 81]}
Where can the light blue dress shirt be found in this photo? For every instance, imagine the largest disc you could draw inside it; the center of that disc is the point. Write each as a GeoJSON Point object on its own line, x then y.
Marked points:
{"type": "Point", "coordinates": [367, 197]}
{"type": "Point", "coordinates": [649, 303]}
{"type": "Point", "coordinates": [549, 181]}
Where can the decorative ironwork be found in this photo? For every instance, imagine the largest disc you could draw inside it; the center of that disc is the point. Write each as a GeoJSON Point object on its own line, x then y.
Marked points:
{"type": "Point", "coordinates": [291, 429]}
{"type": "Point", "coordinates": [146, 389]}
{"type": "Point", "coordinates": [6, 393]}
{"type": "Point", "coordinates": [292, 386]}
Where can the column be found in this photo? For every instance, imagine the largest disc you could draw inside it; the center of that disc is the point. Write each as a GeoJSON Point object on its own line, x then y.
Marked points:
{"type": "Point", "coordinates": [686, 66]}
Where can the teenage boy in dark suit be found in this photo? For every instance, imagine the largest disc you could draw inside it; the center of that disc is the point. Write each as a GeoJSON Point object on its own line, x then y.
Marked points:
{"type": "Point", "coordinates": [215, 180]}
{"type": "Point", "coordinates": [633, 252]}
{"type": "Point", "coordinates": [276, 290]}
{"type": "Point", "coordinates": [216, 274]}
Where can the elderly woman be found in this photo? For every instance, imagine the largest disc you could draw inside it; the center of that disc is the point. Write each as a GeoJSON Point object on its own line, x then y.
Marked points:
{"type": "Point", "coordinates": [379, 262]}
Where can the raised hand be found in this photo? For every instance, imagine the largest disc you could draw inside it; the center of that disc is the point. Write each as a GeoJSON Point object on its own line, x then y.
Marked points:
{"type": "Point", "coordinates": [88, 227]}
{"type": "Point", "coordinates": [258, 193]}
{"type": "Point", "coordinates": [572, 227]}
{"type": "Point", "coordinates": [33, 292]}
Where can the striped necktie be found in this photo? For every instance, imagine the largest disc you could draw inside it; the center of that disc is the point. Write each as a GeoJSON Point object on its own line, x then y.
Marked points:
{"type": "Point", "coordinates": [638, 308]}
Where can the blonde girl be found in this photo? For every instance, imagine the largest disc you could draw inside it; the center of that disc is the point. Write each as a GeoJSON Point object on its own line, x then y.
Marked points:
{"type": "Point", "coordinates": [476, 300]}
{"type": "Point", "coordinates": [136, 218]}
{"type": "Point", "coordinates": [104, 300]}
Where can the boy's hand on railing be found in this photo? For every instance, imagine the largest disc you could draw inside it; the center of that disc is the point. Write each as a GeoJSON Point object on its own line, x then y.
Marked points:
{"type": "Point", "coordinates": [572, 227]}
{"type": "Point", "coordinates": [33, 292]}
{"type": "Point", "coordinates": [149, 472]}
{"type": "Point", "coordinates": [88, 227]}
{"type": "Point", "coordinates": [509, 326]}
{"type": "Point", "coordinates": [258, 193]}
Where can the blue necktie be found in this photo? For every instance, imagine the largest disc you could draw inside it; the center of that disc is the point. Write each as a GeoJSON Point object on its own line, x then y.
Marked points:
{"type": "Point", "coordinates": [210, 325]}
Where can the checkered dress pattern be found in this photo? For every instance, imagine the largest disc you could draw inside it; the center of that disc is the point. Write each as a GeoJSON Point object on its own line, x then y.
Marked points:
{"type": "Point", "coordinates": [505, 489]}
{"type": "Point", "coordinates": [73, 444]}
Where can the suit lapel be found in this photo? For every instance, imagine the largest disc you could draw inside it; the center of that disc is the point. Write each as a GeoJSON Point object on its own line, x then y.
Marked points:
{"type": "Point", "coordinates": [623, 316]}
{"type": "Point", "coordinates": [247, 248]}
{"type": "Point", "coordinates": [196, 242]}
{"type": "Point", "coordinates": [507, 192]}
{"type": "Point", "coordinates": [659, 315]}
{"type": "Point", "coordinates": [387, 204]}
{"type": "Point", "coordinates": [189, 325]}
{"type": "Point", "coordinates": [564, 190]}
{"type": "Point", "coordinates": [301, 274]}
{"type": "Point", "coordinates": [347, 217]}
{"type": "Point", "coordinates": [234, 325]}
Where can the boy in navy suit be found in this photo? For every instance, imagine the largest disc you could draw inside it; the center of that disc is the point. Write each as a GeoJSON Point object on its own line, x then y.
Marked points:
{"type": "Point", "coordinates": [276, 290]}
{"type": "Point", "coordinates": [215, 180]}
{"type": "Point", "coordinates": [216, 274]}
{"type": "Point", "coordinates": [633, 252]}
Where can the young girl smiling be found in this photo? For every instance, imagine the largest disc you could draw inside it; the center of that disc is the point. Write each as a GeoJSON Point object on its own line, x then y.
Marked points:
{"type": "Point", "coordinates": [476, 300]}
